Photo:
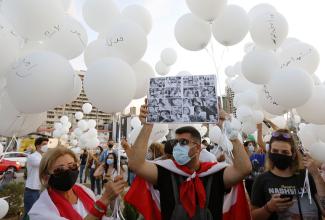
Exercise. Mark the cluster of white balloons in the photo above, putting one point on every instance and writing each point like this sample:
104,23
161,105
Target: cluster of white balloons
229,24
114,59
62,128
168,57
37,40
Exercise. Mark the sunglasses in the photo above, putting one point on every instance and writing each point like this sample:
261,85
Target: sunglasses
281,135
62,169
183,142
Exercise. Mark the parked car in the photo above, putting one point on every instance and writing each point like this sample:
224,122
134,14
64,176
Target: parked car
15,157
7,165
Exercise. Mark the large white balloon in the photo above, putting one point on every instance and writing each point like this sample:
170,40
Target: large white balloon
244,113
97,50
291,87
249,127
78,115
258,117
103,82
15,123
143,72
269,30
319,131
32,19
207,10
300,55
258,66
100,15
87,108
248,97
313,110
317,151
161,68
268,103
139,15
4,207
168,56
70,39
280,122
232,26
49,78
30,46
83,125
260,9
9,46
192,33
128,39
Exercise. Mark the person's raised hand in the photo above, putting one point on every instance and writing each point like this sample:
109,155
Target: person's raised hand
277,204
113,189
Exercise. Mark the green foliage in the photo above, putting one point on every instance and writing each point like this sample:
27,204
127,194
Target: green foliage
16,193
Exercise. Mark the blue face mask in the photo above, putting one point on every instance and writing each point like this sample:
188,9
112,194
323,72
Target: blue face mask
180,154
109,161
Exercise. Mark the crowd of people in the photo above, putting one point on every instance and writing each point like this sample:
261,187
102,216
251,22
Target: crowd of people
182,178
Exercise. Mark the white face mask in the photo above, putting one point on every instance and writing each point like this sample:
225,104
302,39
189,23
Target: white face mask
44,148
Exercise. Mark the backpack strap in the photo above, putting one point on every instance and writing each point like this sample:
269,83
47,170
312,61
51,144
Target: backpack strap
175,188
208,190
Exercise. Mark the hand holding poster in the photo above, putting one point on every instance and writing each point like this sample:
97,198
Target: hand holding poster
183,99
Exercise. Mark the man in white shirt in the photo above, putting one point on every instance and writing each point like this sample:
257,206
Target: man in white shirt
33,184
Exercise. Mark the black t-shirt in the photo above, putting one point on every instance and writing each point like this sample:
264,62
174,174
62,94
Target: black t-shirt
268,184
83,159
167,200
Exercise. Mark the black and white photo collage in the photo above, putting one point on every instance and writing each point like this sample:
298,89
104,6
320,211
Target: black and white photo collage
183,99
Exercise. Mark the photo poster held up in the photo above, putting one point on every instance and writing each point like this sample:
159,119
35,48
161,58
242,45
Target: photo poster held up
183,99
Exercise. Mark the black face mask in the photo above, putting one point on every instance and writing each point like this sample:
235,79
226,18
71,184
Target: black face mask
281,161
110,145
64,180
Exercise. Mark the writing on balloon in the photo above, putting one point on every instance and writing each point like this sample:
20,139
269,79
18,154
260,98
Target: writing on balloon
23,68
268,96
12,32
113,41
298,58
78,34
54,30
272,27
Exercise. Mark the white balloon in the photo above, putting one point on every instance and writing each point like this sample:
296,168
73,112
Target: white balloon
9,46
139,15
315,78
184,73
127,40
92,123
83,125
288,42
317,151
207,10
300,55
74,142
97,50
143,72
240,84
215,134
87,108
77,132
57,133
49,77
258,117
100,15
64,137
66,4
68,125
260,9
30,47
291,87
313,110
244,113
258,66
249,47
232,26
318,131
192,33
92,132
93,143
78,115
69,39
58,126
269,30
64,119
4,207
280,122
162,69
248,97
268,103
236,124
105,76
168,56
32,19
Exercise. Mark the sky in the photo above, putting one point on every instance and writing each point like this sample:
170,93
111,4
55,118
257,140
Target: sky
304,17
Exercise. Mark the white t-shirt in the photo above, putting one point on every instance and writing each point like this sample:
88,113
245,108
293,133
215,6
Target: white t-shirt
32,165
79,207
206,156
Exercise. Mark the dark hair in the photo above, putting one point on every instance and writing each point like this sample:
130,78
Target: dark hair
169,146
246,143
100,148
190,130
204,141
40,140
114,164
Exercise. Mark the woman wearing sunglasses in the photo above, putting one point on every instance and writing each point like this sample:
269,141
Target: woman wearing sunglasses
62,197
277,193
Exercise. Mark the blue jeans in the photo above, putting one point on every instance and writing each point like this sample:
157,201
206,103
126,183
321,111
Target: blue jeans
82,168
94,181
30,197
